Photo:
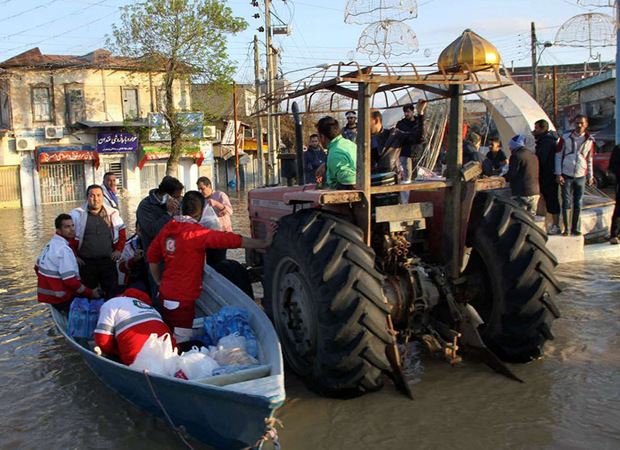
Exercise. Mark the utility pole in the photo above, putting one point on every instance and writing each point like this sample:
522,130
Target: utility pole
271,138
555,94
236,135
259,128
534,63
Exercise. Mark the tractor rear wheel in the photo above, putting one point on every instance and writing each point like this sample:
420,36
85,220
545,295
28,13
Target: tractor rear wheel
510,280
326,301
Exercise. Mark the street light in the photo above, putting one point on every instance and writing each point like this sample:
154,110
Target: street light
536,60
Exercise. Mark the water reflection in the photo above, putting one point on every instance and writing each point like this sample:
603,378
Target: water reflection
570,398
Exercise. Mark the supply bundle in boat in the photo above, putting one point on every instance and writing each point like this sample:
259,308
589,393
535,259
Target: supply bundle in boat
229,409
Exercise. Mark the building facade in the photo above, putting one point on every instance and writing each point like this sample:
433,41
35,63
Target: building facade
65,120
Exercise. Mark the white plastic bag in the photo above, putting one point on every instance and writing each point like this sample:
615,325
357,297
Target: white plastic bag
209,218
194,365
157,355
233,340
230,356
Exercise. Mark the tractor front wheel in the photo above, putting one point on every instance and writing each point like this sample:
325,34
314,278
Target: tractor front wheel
326,301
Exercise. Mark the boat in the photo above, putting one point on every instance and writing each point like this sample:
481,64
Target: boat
229,411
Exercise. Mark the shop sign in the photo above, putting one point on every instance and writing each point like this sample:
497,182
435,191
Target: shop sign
117,142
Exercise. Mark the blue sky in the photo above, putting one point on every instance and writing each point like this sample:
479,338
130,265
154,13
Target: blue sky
319,32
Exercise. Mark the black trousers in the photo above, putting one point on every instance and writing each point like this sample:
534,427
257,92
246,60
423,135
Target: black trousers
100,272
615,219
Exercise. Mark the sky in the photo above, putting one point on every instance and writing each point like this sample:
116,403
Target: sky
319,35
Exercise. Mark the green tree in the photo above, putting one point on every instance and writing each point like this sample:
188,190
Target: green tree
184,39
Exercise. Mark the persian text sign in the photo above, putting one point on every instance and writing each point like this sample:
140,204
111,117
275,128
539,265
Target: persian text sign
117,142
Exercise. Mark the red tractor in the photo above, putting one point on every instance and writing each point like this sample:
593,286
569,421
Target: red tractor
353,272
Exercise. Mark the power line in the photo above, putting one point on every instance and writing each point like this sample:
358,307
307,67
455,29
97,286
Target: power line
45,5
62,34
74,13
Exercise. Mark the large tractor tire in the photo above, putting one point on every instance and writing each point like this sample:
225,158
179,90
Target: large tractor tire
326,301
510,280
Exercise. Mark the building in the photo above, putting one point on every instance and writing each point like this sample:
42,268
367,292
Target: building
65,120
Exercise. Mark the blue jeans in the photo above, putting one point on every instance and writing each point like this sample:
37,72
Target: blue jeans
572,197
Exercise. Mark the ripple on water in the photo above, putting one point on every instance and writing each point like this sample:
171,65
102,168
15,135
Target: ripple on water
570,399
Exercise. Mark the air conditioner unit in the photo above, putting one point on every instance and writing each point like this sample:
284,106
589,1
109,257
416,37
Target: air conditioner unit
23,144
54,132
210,132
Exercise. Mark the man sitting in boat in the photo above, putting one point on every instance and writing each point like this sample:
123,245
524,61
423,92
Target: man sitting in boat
126,323
181,244
57,269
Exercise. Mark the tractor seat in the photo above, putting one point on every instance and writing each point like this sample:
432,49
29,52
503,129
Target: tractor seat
383,179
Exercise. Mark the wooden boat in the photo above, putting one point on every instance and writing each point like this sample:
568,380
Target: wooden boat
225,411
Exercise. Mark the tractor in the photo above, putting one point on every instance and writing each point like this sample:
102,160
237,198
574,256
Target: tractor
447,261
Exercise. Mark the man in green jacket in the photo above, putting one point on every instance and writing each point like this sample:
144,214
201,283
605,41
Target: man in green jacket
341,155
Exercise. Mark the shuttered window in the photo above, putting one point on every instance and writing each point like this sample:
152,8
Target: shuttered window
41,104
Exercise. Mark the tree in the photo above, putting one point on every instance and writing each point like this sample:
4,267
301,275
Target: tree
183,39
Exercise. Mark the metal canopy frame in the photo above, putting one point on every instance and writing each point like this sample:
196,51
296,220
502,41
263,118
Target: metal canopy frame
390,83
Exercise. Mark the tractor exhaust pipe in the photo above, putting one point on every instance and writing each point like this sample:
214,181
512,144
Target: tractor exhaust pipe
299,144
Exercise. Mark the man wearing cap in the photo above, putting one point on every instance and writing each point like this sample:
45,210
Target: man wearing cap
573,169
349,131
523,174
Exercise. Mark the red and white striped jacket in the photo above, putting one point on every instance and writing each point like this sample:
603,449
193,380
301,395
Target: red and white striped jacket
126,323
58,273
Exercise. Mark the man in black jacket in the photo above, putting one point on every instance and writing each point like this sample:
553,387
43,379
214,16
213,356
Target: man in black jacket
471,147
523,175
614,167
386,145
411,151
546,146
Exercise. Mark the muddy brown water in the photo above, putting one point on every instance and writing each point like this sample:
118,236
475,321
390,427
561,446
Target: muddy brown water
571,399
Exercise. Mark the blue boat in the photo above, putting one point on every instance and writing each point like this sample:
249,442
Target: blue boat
230,411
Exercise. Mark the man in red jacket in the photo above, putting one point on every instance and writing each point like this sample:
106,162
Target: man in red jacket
57,269
126,323
181,244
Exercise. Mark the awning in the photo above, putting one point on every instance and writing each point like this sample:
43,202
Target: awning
252,145
93,124
57,153
157,152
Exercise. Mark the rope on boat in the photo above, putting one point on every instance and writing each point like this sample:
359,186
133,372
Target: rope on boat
179,431
270,434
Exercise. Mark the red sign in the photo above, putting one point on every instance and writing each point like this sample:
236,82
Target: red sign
68,155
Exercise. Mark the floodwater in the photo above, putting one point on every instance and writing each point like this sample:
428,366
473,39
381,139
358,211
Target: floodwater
571,398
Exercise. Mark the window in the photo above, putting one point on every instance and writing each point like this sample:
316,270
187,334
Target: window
75,104
130,103
160,97
117,169
41,104
5,110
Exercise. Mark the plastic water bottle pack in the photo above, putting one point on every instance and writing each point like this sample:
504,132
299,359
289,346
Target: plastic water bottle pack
227,321
83,317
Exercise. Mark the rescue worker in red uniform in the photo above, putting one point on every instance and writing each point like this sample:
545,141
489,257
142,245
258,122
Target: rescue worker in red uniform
181,244
126,323
58,275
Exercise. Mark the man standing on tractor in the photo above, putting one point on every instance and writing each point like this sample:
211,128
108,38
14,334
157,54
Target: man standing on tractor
340,167
349,131
412,149
471,147
573,168
314,158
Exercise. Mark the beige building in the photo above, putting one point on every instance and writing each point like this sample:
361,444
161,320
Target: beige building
66,120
